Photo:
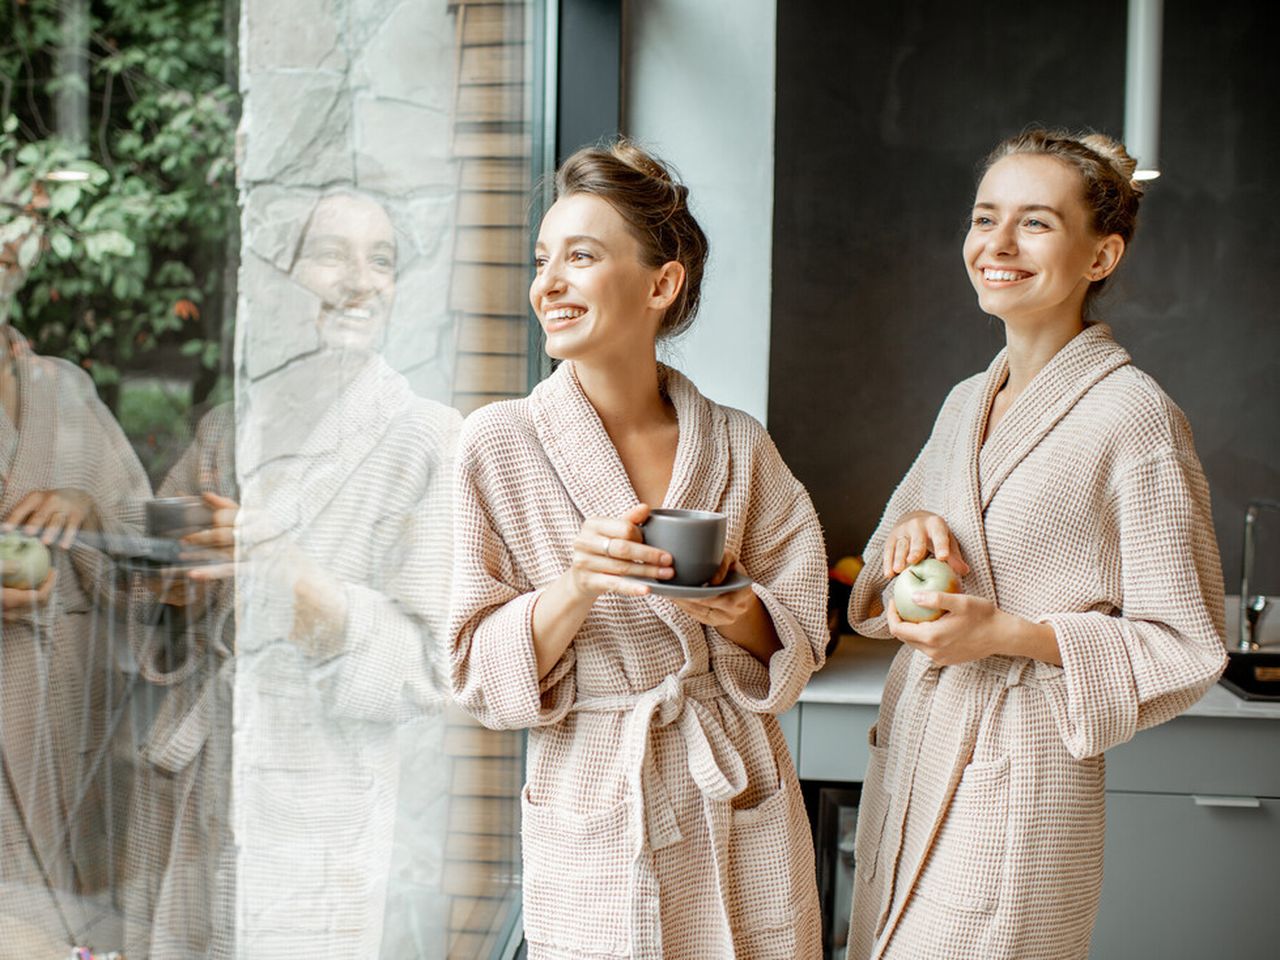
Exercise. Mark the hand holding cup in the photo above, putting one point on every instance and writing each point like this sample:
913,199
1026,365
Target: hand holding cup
609,551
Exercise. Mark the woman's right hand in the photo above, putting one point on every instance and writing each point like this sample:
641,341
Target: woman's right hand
18,603
916,536
609,549
217,542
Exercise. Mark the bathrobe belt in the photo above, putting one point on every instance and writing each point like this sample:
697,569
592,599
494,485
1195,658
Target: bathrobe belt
714,763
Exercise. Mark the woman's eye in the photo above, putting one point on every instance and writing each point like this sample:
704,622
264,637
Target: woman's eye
1037,224
539,262
580,255
982,221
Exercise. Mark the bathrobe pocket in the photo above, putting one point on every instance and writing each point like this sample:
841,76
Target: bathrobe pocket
577,873
768,872
873,810
966,863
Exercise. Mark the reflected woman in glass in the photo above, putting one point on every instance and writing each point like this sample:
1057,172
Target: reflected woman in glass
65,467
661,814
1062,486
337,507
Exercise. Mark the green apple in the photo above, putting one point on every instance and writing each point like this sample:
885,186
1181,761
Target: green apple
929,574
25,561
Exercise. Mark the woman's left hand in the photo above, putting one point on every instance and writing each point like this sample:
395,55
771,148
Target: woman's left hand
971,628
738,615
53,515
725,609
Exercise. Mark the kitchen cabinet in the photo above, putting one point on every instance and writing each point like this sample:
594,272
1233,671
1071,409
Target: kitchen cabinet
1193,843
1193,813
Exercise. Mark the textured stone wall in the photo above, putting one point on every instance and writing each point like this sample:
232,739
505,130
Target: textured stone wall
347,93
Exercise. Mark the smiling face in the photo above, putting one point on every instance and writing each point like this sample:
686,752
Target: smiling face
348,260
593,295
1030,252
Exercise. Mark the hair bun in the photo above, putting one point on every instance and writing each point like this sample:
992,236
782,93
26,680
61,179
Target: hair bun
640,160
1114,152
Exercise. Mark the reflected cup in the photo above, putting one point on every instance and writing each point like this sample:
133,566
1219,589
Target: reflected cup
694,538
174,517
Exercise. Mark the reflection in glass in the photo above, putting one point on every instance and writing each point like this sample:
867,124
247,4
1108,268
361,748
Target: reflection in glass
246,748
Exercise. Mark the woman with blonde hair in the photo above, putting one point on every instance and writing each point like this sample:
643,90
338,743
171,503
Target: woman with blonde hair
1063,486
661,815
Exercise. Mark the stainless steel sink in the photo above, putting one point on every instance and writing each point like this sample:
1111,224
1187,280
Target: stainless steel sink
1253,674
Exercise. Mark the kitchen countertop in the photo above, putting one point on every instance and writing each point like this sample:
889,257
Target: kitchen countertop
855,672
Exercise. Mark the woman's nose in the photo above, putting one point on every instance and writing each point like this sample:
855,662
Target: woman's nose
1004,239
359,277
546,281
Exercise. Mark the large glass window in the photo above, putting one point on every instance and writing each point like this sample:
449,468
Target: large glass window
257,260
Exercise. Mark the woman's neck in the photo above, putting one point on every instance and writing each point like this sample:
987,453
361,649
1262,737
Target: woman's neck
1033,345
627,395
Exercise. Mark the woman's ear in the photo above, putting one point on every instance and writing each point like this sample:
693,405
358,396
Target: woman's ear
668,281
1106,257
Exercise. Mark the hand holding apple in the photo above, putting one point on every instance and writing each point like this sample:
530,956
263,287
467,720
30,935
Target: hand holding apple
54,515
973,628
18,603
929,574
915,536
24,560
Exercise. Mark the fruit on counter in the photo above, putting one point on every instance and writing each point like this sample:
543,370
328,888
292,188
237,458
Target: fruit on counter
929,574
846,569
24,560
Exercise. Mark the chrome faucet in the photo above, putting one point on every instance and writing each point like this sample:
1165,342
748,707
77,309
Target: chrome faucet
1252,606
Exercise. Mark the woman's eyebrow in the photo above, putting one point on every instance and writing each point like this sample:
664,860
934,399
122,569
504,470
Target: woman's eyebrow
1025,208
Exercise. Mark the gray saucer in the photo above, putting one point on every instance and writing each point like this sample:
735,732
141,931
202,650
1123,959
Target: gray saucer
664,588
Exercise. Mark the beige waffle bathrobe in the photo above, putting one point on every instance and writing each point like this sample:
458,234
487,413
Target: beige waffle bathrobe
180,886
58,685
662,816
301,753
316,745
980,831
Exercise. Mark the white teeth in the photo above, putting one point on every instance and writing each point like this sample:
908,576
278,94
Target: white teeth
565,313
356,313
989,274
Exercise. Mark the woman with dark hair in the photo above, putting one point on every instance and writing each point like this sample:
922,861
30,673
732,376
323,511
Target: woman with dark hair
661,815
1063,486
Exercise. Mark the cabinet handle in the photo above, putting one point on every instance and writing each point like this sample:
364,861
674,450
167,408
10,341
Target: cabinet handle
1203,801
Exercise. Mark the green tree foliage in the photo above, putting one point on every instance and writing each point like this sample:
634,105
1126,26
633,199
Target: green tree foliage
132,256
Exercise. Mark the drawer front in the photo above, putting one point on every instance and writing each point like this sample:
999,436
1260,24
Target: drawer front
1186,878
1205,755
833,740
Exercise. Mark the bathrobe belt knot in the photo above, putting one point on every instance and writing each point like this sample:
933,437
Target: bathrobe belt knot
714,764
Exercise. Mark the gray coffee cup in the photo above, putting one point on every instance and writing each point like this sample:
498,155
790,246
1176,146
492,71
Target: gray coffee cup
175,517
694,538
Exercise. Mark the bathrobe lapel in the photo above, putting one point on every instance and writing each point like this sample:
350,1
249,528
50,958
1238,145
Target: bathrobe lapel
588,464
1068,376
344,437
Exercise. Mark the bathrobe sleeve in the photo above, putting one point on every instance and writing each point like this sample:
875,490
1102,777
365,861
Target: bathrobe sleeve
492,664
782,550
393,664
1161,647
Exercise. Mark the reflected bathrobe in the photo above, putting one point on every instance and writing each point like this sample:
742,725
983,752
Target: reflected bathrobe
58,684
316,749
980,830
179,899
308,747
661,813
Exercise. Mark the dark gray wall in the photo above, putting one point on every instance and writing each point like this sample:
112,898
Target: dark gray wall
884,111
